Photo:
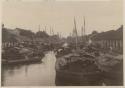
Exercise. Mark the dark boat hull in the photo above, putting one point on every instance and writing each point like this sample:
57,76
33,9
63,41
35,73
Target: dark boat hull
79,71
66,78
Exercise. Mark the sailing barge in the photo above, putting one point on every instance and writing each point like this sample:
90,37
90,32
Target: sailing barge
89,68
76,68
73,69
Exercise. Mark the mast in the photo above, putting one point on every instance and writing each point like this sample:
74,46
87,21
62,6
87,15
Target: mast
50,30
82,33
84,29
75,32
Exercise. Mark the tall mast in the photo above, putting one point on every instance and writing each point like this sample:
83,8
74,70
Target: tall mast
75,32
50,31
82,32
84,28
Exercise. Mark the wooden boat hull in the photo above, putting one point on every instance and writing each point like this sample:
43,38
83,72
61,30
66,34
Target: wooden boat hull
66,78
78,71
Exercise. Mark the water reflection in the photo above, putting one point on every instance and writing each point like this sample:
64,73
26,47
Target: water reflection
44,74
37,74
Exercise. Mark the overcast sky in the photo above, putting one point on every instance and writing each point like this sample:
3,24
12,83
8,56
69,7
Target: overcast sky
99,15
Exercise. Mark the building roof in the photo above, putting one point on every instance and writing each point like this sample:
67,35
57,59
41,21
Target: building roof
109,35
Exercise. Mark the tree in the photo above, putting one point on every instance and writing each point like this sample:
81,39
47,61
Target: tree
42,34
8,37
26,33
94,32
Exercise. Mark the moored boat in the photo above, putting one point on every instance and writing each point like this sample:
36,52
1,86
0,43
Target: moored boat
112,67
23,55
75,70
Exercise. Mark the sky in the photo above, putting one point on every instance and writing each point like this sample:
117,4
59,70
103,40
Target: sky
29,14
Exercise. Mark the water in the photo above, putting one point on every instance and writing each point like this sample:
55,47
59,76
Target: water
37,74
40,74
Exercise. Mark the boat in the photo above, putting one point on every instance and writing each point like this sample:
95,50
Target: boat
112,69
77,70
17,55
77,67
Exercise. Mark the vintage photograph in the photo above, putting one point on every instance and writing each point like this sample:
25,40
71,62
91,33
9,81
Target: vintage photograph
62,43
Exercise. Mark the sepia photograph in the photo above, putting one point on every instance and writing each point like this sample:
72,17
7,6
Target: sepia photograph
62,43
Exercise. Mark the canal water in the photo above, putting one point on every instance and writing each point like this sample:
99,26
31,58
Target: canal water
40,74
37,74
